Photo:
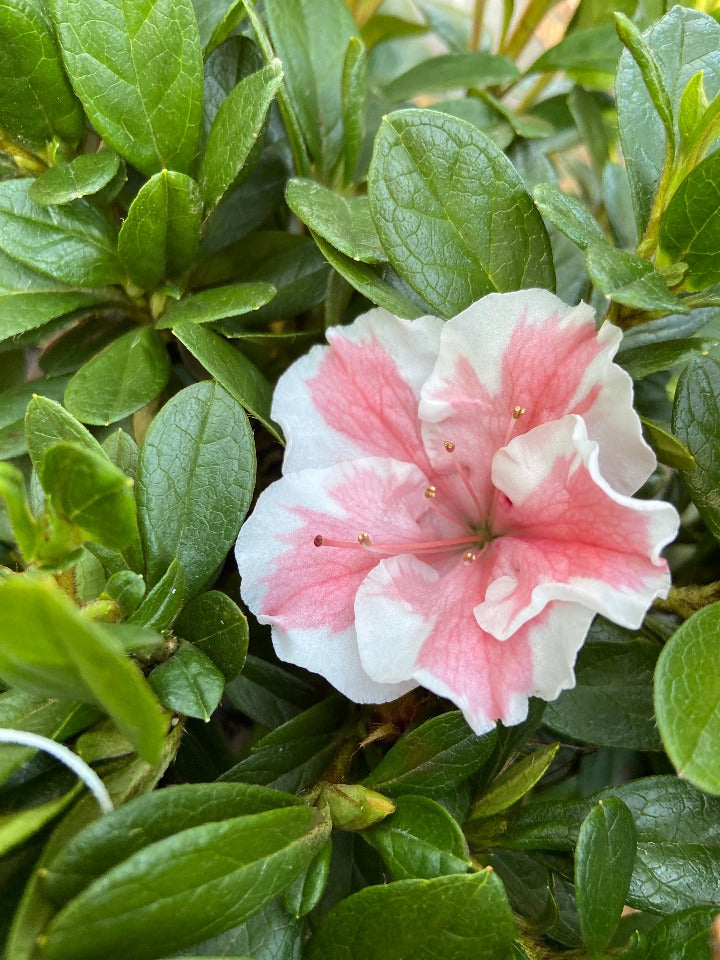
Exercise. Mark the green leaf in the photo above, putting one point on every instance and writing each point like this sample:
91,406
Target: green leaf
294,755
232,370
123,451
269,934
239,121
611,702
441,752
127,590
36,100
188,683
455,917
214,876
111,840
122,378
678,853
269,694
311,39
77,178
582,52
19,826
354,105
138,72
628,279
604,858
28,299
567,214
305,891
652,358
450,71
369,282
692,108
89,491
687,699
345,222
452,212
218,303
514,783
49,648
66,353
163,603
195,479
230,20
696,423
75,244
214,624
159,237
683,42
13,404
668,448
420,840
690,231
681,936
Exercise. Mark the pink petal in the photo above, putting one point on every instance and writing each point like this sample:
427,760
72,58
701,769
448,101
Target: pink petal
530,350
306,592
567,535
359,396
413,622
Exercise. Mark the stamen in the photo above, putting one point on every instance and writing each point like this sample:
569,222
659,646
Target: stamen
430,492
447,514
469,557
364,539
518,412
463,474
423,546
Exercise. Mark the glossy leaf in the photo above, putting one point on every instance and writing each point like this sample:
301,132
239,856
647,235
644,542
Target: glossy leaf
49,648
514,783
214,876
75,244
450,71
344,222
306,890
215,625
604,859
122,378
690,231
77,178
47,423
195,480
163,603
628,279
687,699
149,116
354,104
188,683
567,214
217,304
452,213
668,448
651,73
652,358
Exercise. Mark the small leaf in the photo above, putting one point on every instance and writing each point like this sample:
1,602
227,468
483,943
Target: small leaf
89,491
591,50
127,590
239,121
188,683
218,303
354,97
690,231
514,782
138,72
450,71
195,479
344,222
567,214
159,237
75,244
306,890
687,699
120,379
693,105
604,859
25,528
652,358
628,279
47,423
77,178
163,603
668,449
217,627
452,213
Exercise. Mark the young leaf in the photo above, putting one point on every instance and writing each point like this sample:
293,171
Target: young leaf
567,214
311,39
354,105
690,230
604,859
687,698
232,370
344,222
160,236
693,105
214,876
456,917
668,449
47,423
451,71
138,72
628,279
452,212
514,782
51,649
305,890
119,380
77,178
217,626
431,758
163,603
195,479
36,100
188,683
239,121
218,303
127,590
75,244
696,423
420,840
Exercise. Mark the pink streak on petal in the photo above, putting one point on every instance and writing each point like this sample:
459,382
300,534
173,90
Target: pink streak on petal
360,393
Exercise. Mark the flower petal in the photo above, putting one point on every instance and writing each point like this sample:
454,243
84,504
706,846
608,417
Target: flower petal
530,350
306,592
413,622
359,396
569,536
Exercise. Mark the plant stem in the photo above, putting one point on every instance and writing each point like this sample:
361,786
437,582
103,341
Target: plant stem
477,24
526,26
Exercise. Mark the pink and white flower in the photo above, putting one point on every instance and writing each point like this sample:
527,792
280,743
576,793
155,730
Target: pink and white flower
456,505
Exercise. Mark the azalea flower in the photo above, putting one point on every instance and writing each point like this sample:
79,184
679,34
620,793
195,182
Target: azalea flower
456,505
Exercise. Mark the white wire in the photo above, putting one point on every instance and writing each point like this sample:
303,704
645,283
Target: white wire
78,766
